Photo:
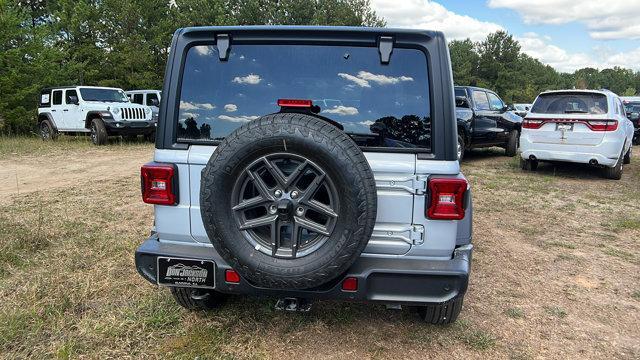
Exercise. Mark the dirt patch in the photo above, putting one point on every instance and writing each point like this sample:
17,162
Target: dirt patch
554,273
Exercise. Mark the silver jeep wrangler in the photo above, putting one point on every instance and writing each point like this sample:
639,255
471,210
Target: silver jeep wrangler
306,163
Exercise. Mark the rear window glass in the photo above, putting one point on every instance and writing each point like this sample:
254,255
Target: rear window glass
570,103
461,92
632,107
378,105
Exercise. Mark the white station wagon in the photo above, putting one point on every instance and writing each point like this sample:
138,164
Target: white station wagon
580,126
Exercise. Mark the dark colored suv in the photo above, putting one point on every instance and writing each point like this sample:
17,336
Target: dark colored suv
309,163
484,120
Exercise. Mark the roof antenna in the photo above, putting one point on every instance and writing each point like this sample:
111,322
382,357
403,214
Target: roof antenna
222,41
385,48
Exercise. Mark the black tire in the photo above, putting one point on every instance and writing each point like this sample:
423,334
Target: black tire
529,165
614,172
198,299
47,131
627,156
512,144
441,314
461,148
98,132
320,143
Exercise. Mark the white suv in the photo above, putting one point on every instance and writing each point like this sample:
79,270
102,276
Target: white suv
580,126
100,111
149,98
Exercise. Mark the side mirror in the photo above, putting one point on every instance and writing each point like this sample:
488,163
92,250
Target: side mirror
155,102
510,108
74,100
462,101
505,108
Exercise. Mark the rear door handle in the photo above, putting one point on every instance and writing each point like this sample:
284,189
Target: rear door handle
65,110
53,111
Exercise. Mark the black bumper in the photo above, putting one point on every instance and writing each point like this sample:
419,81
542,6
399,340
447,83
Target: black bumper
141,127
385,280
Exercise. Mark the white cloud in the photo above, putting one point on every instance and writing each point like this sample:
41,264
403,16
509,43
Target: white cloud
382,79
203,50
189,106
251,79
605,20
342,110
539,47
231,108
430,15
355,79
241,118
367,122
363,78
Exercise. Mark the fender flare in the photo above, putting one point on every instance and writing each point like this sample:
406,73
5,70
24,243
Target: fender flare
96,114
47,116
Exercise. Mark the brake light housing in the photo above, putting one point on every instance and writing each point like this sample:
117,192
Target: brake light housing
295,103
159,183
592,124
532,123
446,200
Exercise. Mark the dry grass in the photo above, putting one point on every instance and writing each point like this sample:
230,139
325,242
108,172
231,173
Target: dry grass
554,274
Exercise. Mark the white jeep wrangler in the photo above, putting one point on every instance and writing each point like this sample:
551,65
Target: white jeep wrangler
100,111
149,98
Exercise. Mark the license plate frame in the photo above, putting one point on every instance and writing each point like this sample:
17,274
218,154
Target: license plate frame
564,127
183,272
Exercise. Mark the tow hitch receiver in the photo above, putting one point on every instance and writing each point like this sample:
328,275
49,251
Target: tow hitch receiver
293,304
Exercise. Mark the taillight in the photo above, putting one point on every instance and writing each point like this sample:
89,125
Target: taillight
446,198
159,183
602,125
350,284
296,103
532,123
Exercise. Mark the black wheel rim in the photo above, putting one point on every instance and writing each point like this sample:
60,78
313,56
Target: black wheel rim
44,131
285,205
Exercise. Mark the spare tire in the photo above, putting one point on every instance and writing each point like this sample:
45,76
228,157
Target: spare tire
289,201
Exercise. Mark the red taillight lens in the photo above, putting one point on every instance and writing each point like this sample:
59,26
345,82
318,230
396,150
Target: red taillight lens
602,125
532,123
159,184
350,284
297,103
231,276
446,198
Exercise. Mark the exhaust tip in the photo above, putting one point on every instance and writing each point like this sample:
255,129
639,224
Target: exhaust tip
593,162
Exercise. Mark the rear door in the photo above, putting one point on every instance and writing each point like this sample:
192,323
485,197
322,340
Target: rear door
485,127
57,109
397,184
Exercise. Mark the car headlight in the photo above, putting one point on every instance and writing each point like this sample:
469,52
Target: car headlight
115,110
147,110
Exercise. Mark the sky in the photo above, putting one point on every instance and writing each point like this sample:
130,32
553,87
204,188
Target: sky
566,34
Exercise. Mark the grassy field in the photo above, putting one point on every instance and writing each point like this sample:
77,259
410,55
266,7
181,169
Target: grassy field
555,272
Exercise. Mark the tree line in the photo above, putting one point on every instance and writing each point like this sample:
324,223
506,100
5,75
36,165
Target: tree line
125,43
498,63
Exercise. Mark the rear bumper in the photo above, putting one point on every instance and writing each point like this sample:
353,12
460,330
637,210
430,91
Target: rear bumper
130,127
606,153
385,280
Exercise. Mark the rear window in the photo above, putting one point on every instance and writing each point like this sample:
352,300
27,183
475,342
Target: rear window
632,107
460,92
378,105
570,103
